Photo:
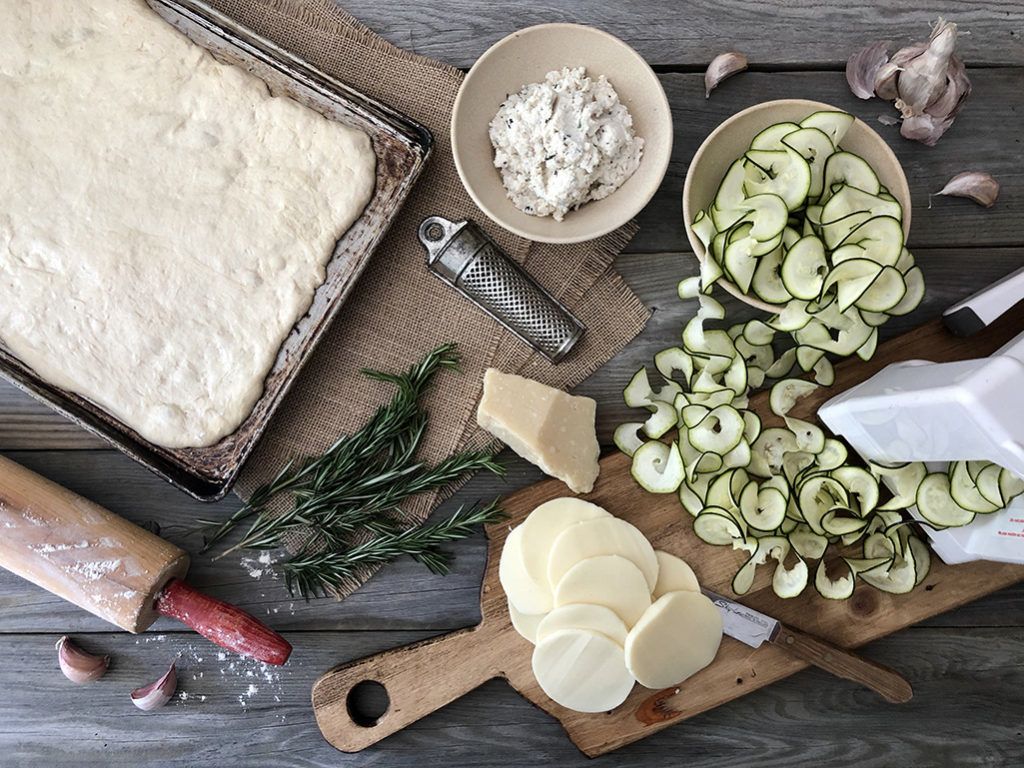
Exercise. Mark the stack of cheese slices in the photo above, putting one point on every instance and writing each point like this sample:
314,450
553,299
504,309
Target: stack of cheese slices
602,607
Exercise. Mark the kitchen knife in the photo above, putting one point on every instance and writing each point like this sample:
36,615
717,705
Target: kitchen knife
755,628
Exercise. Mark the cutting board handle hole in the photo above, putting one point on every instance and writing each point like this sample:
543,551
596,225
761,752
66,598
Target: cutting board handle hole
367,703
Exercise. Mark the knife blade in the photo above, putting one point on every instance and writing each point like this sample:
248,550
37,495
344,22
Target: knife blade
755,628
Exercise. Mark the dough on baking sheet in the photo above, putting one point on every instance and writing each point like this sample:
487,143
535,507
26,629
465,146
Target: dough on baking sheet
164,221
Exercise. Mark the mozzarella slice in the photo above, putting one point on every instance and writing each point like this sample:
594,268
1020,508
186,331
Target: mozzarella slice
526,594
582,670
526,624
608,580
673,575
676,637
602,536
543,526
595,618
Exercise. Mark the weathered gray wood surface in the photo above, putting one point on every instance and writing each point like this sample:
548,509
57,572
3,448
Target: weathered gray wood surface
967,666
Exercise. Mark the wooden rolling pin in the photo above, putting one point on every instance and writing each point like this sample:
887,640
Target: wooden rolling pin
113,568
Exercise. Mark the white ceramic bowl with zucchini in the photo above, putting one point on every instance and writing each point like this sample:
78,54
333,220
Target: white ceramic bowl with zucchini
782,193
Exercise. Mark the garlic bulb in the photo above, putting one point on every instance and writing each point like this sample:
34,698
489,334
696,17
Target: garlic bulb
77,665
156,694
975,185
927,81
723,66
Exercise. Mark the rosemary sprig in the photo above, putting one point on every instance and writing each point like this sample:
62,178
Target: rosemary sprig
354,491
326,570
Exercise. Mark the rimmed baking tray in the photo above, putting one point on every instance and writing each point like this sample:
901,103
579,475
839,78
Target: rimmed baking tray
401,146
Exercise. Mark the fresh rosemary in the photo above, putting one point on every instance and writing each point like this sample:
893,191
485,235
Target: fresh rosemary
345,513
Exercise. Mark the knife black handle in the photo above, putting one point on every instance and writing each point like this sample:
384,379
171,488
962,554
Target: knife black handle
888,683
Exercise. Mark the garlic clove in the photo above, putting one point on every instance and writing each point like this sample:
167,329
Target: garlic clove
158,693
77,665
886,79
927,129
975,185
862,67
958,88
723,66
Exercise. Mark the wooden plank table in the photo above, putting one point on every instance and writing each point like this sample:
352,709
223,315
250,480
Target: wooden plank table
966,666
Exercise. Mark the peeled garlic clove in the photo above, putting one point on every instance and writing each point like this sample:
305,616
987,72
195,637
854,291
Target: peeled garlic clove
156,694
862,67
77,665
723,66
975,185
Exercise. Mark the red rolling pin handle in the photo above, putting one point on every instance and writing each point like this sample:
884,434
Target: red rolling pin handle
223,623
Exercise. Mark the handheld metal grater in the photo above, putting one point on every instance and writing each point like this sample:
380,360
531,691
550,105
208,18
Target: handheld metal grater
461,254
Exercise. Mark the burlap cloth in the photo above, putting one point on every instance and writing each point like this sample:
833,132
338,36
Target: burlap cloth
397,311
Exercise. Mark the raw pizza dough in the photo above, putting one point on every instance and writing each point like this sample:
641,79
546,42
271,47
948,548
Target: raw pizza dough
164,220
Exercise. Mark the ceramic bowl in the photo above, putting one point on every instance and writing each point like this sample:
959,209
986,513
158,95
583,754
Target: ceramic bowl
526,57
730,139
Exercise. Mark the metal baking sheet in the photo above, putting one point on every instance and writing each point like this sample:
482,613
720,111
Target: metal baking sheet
401,146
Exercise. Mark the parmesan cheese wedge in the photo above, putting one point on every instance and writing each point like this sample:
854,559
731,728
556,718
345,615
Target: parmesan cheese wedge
596,618
608,580
582,670
545,426
602,536
676,637
674,575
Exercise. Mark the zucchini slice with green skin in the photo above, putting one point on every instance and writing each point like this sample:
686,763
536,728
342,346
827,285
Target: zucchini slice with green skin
787,393
791,317
661,420
880,237
804,268
814,146
833,455
898,579
730,192
851,279
887,290
1010,485
833,589
824,372
862,485
914,280
849,199
689,288
626,438
790,582
763,507
658,467
784,173
715,526
638,392
936,504
772,136
704,228
833,124
669,361
851,170
965,492
719,432
808,544
783,365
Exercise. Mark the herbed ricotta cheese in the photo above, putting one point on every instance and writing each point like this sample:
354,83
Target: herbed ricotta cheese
164,220
564,142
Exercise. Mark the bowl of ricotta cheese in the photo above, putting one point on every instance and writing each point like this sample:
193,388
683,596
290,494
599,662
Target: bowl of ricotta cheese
561,133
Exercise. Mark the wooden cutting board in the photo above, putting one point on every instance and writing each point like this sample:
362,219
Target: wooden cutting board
423,677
